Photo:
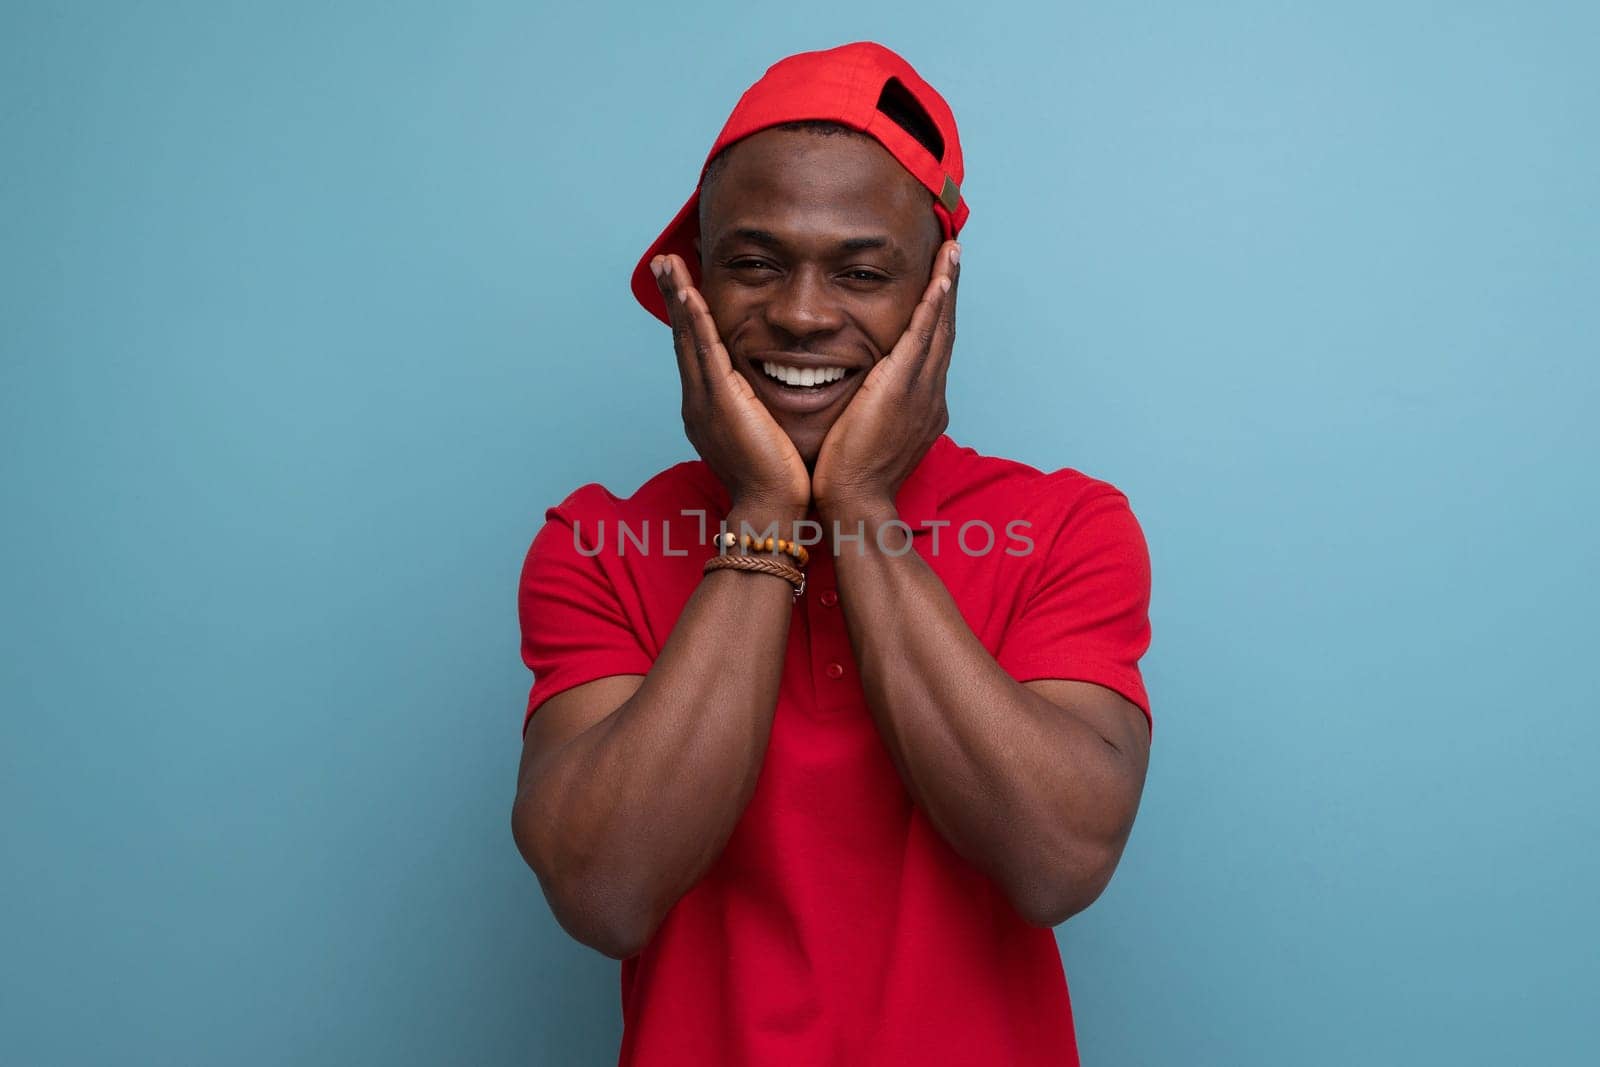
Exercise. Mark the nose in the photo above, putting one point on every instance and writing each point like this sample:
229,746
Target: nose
801,304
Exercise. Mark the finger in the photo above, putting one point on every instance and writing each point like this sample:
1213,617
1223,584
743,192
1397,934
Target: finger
713,354
688,361
912,347
953,272
944,278
936,297
937,363
699,330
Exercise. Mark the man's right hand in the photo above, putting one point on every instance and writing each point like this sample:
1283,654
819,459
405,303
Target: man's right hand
722,416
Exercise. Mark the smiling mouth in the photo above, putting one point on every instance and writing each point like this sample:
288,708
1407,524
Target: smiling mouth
803,377
801,390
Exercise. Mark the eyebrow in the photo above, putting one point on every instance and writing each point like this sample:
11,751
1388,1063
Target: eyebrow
771,240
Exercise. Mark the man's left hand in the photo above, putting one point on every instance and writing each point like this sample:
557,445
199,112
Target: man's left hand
898,412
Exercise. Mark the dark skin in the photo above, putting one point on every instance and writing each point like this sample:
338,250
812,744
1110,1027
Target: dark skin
819,247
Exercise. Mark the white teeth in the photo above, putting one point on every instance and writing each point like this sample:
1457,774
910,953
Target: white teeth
804,377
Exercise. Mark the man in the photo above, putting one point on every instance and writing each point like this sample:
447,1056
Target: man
826,806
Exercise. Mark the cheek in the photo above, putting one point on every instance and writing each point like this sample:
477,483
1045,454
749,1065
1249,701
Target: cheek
730,310
717,299
887,322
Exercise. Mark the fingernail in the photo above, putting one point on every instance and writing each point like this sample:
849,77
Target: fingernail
683,296
944,284
955,255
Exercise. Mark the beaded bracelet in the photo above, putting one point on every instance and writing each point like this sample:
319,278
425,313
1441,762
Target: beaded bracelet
783,570
728,539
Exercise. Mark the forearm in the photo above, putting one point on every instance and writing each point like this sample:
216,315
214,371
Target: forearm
1022,789
632,812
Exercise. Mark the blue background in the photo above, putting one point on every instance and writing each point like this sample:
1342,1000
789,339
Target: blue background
308,313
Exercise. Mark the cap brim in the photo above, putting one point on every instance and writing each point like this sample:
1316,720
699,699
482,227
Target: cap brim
678,237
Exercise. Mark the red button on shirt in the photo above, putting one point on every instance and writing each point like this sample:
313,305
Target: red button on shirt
838,926
829,598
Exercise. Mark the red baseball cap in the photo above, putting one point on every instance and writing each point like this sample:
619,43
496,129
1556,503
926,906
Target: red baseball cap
864,86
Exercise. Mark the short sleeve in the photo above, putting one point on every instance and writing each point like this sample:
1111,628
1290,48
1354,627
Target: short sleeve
1088,616
574,627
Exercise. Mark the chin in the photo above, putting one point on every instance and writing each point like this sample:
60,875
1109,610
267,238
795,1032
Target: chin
808,444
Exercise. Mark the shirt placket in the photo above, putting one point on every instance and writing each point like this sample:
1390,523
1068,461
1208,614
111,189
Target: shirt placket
833,668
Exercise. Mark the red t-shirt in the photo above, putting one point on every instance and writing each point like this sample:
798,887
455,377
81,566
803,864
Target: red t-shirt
838,927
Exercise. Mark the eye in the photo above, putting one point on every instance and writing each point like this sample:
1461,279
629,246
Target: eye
749,263
865,275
